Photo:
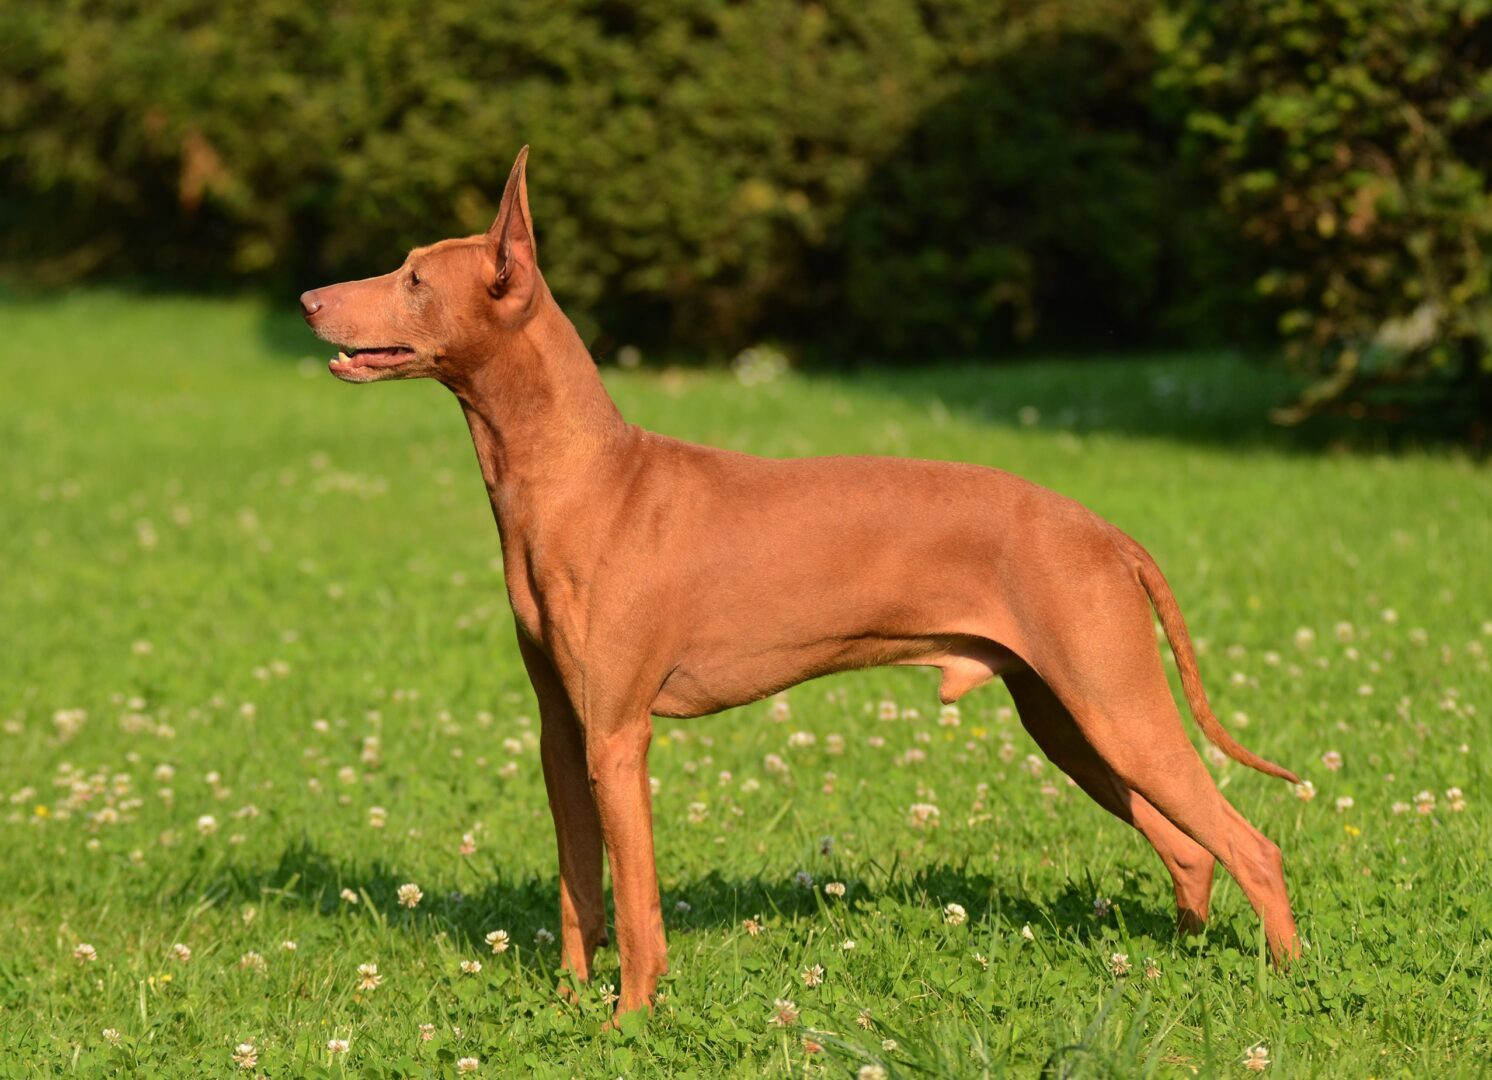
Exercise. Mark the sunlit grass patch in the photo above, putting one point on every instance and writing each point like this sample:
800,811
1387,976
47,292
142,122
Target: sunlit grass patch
273,801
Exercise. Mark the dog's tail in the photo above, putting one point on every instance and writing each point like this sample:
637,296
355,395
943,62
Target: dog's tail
1164,602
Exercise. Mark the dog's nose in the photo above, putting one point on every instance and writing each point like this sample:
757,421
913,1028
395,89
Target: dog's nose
310,304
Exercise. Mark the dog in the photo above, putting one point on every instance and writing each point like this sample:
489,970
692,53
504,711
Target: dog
654,577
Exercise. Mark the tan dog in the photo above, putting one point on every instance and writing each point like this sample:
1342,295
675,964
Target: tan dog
650,576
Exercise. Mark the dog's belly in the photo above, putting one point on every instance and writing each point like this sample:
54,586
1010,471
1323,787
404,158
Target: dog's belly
700,686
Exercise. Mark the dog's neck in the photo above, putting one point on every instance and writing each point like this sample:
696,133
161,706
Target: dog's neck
540,418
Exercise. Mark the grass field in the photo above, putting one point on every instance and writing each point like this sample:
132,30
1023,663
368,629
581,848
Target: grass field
258,673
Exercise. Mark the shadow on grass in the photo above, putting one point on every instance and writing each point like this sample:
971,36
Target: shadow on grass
483,899
1212,398
1219,399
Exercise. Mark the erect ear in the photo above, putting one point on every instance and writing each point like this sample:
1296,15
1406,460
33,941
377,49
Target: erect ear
512,233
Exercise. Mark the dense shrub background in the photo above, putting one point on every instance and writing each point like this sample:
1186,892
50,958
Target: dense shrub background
694,162
896,177
1350,140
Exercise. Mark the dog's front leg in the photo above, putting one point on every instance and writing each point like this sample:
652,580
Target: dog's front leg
616,745
577,828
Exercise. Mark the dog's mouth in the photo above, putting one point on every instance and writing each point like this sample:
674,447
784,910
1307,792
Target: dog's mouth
362,364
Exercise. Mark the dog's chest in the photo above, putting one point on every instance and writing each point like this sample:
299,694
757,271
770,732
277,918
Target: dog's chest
548,601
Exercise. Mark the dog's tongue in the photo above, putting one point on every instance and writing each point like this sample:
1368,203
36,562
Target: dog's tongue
385,357
379,355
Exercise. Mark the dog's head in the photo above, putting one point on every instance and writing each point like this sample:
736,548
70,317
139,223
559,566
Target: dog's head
444,310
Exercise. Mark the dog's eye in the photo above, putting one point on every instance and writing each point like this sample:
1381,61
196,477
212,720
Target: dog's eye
414,277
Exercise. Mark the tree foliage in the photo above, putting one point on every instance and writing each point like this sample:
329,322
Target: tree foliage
1350,142
895,177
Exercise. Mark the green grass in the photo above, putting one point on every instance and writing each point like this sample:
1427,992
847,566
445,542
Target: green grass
218,560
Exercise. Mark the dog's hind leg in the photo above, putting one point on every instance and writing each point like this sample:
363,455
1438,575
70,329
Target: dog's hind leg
577,826
1050,724
1110,677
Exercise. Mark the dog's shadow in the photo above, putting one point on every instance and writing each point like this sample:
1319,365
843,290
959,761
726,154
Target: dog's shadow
313,882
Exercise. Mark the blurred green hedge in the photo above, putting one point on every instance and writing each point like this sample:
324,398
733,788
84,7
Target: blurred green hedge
897,177
1350,141
701,170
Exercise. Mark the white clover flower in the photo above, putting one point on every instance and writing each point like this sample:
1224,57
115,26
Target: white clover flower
1256,1058
784,1013
543,937
245,1056
207,824
759,364
834,888
85,953
336,1046
471,967
1119,964
498,939
410,894
954,914
467,1065
923,815
368,977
